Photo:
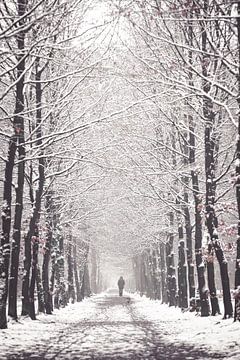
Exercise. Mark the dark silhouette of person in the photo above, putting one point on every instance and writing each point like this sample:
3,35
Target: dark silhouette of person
121,284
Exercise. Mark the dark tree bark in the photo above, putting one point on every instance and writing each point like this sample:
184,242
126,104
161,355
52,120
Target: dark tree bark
182,277
54,287
237,267
171,274
60,291
75,269
16,238
163,273
137,272
94,270
56,301
35,245
85,283
52,279
87,290
71,290
156,273
211,281
143,278
40,293
16,140
188,229
148,267
47,252
182,269
99,275
26,275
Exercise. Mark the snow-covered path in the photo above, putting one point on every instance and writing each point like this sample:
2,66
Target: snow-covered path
103,327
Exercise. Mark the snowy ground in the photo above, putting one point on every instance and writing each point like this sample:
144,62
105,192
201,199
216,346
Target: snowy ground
109,327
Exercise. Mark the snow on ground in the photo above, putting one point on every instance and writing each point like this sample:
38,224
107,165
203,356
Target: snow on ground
210,333
108,327
26,333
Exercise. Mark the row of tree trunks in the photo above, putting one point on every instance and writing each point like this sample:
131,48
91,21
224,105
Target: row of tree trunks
151,274
25,32
210,146
16,141
32,238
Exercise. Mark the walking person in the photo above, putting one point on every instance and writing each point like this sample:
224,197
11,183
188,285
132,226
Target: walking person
121,284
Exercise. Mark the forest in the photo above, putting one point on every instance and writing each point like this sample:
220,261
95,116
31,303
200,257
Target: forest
120,153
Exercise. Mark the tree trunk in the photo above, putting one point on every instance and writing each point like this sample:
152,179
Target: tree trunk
16,140
171,274
136,273
6,226
52,279
55,253
15,251
60,292
94,270
56,301
237,271
163,274
75,269
87,290
150,275
156,273
71,290
47,252
211,282
182,270
211,219
40,293
35,245
188,229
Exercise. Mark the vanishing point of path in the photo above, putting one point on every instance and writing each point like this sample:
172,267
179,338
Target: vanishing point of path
114,331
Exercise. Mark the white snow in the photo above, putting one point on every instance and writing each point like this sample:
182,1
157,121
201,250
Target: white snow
93,327
211,333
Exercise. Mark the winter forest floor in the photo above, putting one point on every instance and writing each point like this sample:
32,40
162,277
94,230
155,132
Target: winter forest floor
107,326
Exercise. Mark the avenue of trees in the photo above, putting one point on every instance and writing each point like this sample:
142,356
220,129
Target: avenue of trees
120,137
200,76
